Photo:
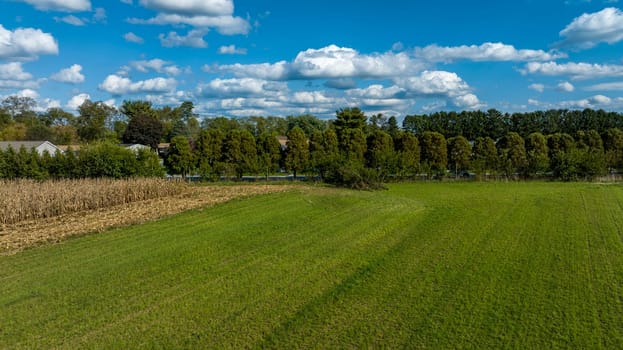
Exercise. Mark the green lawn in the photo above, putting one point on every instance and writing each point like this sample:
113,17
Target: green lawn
425,265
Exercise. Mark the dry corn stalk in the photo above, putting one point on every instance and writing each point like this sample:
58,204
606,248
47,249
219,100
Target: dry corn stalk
22,200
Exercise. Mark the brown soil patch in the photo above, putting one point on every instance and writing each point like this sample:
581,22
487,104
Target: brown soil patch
16,237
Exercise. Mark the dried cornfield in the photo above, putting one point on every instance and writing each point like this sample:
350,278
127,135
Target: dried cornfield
27,200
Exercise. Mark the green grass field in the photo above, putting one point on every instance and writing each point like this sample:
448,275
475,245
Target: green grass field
425,265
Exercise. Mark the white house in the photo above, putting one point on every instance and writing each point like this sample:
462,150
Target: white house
135,147
39,146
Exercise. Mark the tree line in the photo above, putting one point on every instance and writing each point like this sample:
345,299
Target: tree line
352,149
102,159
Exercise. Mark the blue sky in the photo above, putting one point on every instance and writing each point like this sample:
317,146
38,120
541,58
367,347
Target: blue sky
258,57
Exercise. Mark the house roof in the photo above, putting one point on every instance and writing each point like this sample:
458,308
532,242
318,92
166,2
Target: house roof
16,145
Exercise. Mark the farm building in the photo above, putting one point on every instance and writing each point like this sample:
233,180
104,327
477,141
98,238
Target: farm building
134,147
39,146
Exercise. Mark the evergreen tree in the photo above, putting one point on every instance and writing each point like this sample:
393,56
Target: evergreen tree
459,152
209,152
512,153
380,154
484,155
434,152
297,151
407,148
536,154
268,153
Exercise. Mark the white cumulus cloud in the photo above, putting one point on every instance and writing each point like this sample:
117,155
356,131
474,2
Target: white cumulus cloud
28,93
117,85
342,62
574,70
77,101
330,62
268,71
442,84
590,29
71,19
485,52
133,38
60,5
191,7
232,50
70,75
240,87
197,13
612,86
593,102
156,65
194,38
565,86
13,71
537,87
26,43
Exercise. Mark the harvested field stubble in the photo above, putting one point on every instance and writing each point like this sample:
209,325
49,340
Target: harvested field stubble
177,198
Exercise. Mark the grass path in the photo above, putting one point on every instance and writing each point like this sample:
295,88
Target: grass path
519,265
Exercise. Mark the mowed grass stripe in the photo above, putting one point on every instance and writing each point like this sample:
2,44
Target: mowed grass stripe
309,229
354,307
433,265
271,301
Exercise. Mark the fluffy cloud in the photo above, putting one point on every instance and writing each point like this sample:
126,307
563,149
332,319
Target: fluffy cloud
574,70
377,91
133,38
537,87
593,102
341,68
565,86
191,7
77,101
377,95
441,84
590,29
26,43
197,13
268,71
13,76
434,83
71,19
232,50
340,62
312,98
117,85
28,93
240,87
13,71
330,62
484,52
194,38
60,5
70,75
614,86
157,65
